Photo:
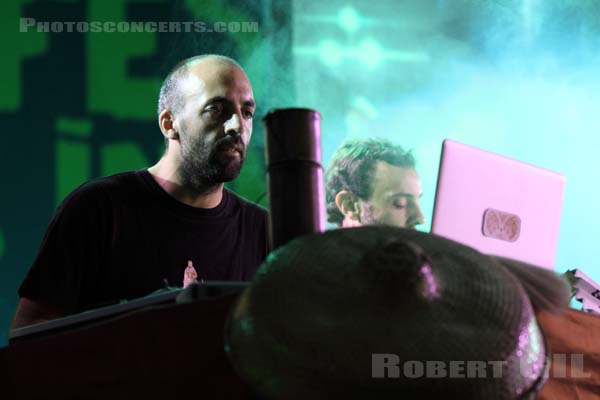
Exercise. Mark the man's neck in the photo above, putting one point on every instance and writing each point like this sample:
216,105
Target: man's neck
166,175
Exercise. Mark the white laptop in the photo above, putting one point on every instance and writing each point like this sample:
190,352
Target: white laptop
498,205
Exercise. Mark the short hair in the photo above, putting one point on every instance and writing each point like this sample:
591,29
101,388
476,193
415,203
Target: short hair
170,96
352,167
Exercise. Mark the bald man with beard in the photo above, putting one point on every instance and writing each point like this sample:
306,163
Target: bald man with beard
126,235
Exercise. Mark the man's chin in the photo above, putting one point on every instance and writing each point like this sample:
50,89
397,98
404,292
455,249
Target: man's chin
229,177
231,171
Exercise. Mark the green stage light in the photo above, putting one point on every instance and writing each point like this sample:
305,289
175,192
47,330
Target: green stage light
330,53
370,53
349,19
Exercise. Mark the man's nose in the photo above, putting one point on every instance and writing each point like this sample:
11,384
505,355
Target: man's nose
418,217
234,124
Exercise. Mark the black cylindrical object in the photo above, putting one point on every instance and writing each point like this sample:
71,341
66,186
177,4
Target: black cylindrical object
294,174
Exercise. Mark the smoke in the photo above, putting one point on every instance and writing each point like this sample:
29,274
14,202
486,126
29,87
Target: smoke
520,78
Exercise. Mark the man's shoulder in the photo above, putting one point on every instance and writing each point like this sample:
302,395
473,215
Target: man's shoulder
116,181
104,188
247,205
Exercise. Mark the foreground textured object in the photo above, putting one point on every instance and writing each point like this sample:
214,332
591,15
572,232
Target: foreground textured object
323,305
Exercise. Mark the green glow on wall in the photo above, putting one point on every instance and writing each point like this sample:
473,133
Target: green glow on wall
251,182
74,126
254,50
16,47
72,166
110,89
119,157
218,10
73,155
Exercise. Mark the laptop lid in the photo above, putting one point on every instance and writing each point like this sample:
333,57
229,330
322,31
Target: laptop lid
498,205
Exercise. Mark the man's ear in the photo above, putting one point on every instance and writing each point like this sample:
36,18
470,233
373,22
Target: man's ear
166,121
348,205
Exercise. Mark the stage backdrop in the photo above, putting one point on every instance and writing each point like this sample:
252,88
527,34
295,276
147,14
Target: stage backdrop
78,104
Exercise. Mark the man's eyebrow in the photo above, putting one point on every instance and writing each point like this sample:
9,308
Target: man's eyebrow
216,99
402,194
221,99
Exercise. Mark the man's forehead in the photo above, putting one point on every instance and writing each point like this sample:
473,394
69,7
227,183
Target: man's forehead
383,168
209,79
394,180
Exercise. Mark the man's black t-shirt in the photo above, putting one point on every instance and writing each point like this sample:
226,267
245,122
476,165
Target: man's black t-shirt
123,237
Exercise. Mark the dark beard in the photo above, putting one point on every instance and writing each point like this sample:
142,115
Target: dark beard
203,166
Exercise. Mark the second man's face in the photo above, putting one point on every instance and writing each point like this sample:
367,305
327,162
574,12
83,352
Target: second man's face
395,197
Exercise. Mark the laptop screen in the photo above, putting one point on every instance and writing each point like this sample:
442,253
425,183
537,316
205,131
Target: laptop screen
498,205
